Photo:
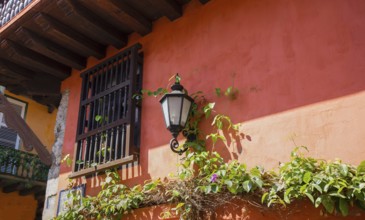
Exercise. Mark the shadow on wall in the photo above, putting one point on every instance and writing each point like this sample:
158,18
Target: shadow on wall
130,174
149,213
280,55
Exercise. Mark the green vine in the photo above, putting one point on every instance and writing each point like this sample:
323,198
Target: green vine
27,164
334,185
205,181
212,182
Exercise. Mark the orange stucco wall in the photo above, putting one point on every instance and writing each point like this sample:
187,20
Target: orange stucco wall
39,120
15,207
12,205
299,67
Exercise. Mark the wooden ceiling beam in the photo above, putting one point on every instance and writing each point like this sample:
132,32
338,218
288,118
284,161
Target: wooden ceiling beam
44,95
43,86
8,81
50,49
15,71
183,2
121,15
40,86
130,17
171,9
91,24
28,58
48,100
3,182
12,187
23,81
68,37
40,195
204,1
31,190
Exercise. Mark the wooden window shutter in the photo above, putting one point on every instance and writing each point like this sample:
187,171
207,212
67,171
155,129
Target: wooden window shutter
108,112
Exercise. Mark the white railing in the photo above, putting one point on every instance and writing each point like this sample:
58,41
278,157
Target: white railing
10,8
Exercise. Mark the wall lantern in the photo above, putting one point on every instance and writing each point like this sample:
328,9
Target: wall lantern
176,107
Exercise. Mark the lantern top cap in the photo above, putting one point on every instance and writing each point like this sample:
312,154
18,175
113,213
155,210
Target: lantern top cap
177,86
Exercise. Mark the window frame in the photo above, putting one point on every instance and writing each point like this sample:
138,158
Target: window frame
24,107
17,144
130,122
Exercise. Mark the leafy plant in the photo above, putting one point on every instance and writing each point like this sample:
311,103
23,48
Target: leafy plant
230,92
335,185
26,165
205,181
67,160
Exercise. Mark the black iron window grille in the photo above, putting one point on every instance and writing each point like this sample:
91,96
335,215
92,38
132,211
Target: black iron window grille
109,118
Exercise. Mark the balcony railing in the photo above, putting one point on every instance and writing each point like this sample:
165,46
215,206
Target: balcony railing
22,164
10,8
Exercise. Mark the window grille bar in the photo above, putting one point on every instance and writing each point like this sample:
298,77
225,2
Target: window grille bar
133,68
122,140
106,115
102,129
116,143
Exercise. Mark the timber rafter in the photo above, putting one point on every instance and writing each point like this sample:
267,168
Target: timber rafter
49,38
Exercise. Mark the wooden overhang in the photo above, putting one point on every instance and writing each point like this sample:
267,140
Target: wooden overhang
40,46
30,140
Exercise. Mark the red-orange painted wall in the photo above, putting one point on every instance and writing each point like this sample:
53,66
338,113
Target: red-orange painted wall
242,210
299,67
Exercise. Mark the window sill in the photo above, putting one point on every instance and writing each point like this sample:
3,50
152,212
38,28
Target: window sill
102,167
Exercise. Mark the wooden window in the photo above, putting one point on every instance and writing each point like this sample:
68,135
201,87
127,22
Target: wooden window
9,137
109,118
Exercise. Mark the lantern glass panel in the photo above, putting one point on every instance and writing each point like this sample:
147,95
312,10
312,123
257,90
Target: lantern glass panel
174,104
165,110
185,112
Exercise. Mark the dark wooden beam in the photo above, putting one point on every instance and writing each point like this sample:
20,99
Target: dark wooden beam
43,86
30,140
12,187
90,24
12,70
183,2
169,8
68,37
204,1
8,81
120,14
31,88
3,182
48,100
40,195
32,60
49,49
31,190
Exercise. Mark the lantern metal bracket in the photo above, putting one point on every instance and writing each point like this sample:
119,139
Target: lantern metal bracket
174,144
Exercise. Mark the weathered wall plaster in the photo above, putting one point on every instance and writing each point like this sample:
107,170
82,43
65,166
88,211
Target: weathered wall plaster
50,204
